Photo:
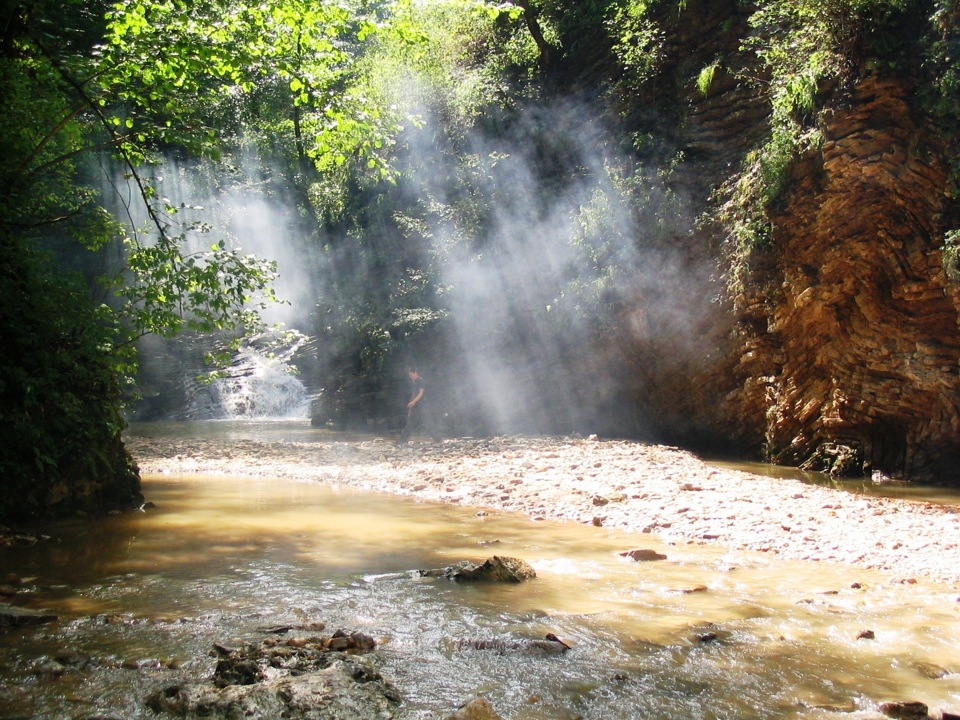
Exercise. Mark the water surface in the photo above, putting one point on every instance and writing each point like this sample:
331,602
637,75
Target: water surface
706,633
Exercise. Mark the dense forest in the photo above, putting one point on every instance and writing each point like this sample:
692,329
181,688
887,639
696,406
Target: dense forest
726,224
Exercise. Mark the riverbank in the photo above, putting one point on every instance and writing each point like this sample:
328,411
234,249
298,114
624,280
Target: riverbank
631,486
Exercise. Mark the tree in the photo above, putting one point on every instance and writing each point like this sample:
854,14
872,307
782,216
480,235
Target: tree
83,83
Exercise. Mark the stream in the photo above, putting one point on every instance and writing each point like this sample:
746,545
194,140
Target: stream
141,598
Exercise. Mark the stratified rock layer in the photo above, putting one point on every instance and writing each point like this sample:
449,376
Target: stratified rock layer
845,335
853,333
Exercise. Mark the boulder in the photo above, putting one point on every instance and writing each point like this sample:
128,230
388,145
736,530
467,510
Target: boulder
476,709
495,569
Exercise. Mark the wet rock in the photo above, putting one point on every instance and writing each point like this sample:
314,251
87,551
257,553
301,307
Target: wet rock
74,658
708,632
476,709
643,555
298,679
283,629
905,710
495,569
835,459
929,670
12,538
550,644
49,668
13,616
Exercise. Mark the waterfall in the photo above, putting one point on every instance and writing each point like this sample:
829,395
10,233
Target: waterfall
255,386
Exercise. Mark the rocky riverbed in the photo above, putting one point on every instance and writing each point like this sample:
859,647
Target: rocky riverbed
631,486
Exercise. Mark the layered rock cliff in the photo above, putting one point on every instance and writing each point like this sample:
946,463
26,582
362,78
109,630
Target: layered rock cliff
853,325
846,331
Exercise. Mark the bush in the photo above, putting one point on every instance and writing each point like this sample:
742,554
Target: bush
59,398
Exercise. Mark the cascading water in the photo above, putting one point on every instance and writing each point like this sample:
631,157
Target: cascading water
234,210
255,387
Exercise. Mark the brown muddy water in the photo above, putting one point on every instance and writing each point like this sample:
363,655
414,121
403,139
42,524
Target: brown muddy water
706,633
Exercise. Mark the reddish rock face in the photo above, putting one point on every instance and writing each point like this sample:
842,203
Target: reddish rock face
846,334
854,328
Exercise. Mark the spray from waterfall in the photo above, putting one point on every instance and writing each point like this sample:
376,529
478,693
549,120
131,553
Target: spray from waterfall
237,206
255,386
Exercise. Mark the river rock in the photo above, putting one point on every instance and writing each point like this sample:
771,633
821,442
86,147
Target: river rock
930,670
495,569
299,679
643,555
13,616
905,710
476,709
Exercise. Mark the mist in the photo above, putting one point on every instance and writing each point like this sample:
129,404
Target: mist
524,269
240,206
547,292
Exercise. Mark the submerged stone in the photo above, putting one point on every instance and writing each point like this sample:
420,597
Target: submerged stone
13,616
476,709
550,644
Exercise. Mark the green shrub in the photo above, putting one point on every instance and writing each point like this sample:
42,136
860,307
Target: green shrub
60,403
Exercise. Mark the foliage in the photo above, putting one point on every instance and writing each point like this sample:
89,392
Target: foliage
951,255
638,38
705,78
802,46
942,64
58,394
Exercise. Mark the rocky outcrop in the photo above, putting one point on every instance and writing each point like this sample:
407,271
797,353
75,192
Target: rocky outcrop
850,334
845,337
320,678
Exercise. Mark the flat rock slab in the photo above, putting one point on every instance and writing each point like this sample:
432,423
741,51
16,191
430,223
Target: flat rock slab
13,616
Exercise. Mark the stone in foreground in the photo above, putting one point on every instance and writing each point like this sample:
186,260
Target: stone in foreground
476,709
495,569
301,679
